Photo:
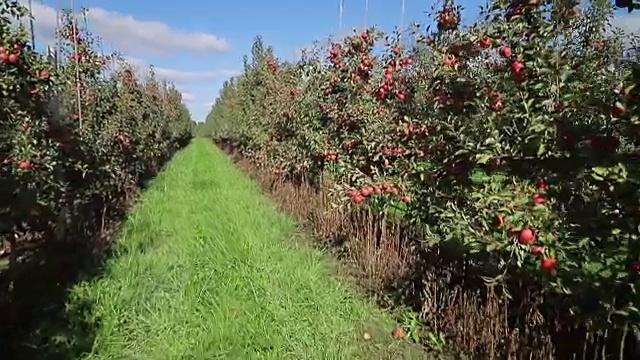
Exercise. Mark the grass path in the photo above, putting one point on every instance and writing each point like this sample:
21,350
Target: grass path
206,269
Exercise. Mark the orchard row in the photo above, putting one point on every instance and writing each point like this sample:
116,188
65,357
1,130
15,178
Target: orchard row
77,138
515,137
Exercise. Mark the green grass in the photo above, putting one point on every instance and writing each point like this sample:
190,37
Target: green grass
206,268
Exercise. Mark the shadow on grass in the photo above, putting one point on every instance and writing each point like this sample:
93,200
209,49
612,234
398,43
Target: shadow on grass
38,318
38,324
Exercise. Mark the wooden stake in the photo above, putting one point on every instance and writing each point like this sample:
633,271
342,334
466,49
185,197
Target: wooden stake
33,33
341,11
402,10
84,16
366,12
77,59
57,47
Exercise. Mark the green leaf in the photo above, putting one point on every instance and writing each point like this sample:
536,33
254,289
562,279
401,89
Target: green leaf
602,171
483,158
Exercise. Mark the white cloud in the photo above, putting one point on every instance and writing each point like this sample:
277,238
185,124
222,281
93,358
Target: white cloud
186,76
628,22
45,22
187,96
179,76
142,71
127,34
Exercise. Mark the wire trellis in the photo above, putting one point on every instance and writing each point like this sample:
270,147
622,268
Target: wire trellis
367,5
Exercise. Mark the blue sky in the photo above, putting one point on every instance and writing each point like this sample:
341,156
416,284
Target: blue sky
200,44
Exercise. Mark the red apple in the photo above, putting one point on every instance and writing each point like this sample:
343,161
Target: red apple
24,165
505,51
366,191
537,249
548,264
13,58
526,236
450,60
496,106
538,199
517,66
357,199
485,42
397,333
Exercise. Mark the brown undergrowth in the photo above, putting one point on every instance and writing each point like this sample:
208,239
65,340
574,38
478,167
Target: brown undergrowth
439,282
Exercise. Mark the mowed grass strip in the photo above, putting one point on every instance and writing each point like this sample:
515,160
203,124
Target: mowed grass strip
206,269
